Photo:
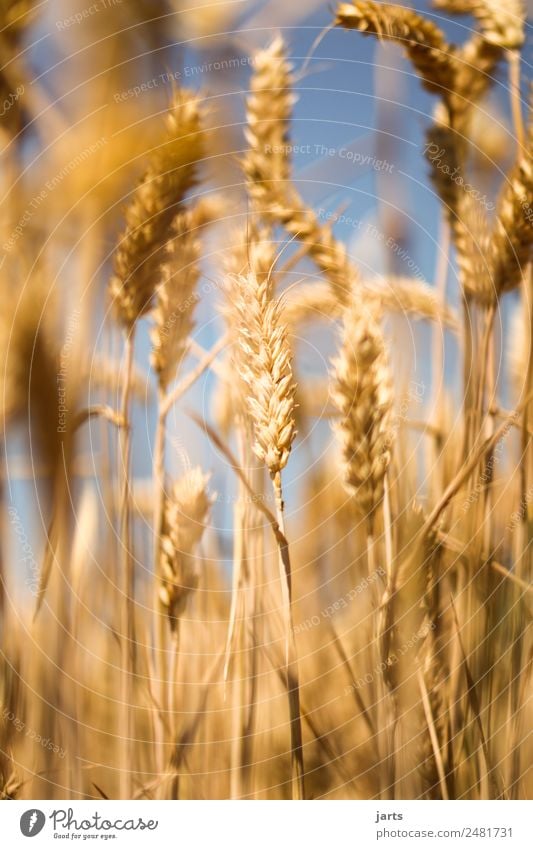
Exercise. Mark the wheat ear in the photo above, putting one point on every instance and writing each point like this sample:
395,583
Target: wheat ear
264,363
513,238
171,172
361,391
424,42
187,508
263,360
501,24
176,295
267,168
16,17
186,512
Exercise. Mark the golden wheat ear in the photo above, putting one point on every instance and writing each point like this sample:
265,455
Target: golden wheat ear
361,391
176,296
267,166
263,360
513,237
502,24
424,42
186,513
171,173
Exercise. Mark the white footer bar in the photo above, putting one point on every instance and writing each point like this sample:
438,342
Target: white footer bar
268,825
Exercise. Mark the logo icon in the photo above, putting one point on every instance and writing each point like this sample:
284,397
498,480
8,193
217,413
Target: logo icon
32,822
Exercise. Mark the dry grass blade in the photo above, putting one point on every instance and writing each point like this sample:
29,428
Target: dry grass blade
477,453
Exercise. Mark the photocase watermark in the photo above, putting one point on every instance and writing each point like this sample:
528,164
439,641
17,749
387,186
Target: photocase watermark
21,726
375,233
65,819
528,211
64,357
339,218
396,248
255,498
435,155
415,394
518,516
70,826
32,822
186,306
88,12
391,660
49,187
340,603
487,474
29,559
11,99
189,71
322,151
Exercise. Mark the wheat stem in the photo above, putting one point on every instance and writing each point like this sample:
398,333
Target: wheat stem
128,583
158,518
291,661
433,735
190,379
514,91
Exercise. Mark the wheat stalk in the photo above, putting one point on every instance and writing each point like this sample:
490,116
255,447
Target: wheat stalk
171,172
263,361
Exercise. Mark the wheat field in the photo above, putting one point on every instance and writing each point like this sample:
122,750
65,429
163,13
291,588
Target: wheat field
267,460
